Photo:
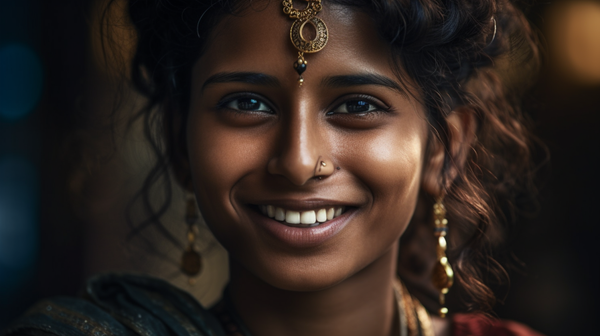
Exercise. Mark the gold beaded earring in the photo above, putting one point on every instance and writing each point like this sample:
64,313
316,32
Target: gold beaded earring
443,275
191,260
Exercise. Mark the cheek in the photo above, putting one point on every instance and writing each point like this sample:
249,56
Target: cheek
219,157
389,164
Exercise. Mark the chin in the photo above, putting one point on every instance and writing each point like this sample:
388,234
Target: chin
317,272
310,280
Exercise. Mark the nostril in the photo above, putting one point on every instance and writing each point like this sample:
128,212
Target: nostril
296,171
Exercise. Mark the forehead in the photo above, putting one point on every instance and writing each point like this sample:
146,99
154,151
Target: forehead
258,40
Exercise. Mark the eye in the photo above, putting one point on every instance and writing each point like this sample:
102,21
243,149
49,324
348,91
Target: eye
355,106
249,104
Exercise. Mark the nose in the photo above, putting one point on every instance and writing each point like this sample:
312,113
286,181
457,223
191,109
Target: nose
300,149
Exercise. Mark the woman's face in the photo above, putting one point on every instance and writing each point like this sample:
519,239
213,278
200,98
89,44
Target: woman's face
255,139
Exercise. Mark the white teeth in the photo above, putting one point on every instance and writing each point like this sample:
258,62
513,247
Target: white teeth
330,213
279,214
322,216
270,211
308,217
304,217
338,212
292,217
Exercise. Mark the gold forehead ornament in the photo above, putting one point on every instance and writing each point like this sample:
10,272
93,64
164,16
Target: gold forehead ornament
302,17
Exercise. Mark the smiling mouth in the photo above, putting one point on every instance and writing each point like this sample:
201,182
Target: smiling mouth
307,218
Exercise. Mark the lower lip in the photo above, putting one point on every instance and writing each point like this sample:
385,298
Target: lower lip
302,237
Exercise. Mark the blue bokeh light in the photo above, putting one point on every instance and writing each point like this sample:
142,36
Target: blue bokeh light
21,79
19,236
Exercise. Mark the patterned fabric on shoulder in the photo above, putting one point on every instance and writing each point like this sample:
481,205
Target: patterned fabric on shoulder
120,305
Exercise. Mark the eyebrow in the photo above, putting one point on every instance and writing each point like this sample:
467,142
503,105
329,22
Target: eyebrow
361,79
254,78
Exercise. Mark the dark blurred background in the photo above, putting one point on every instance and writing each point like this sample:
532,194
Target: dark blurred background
65,179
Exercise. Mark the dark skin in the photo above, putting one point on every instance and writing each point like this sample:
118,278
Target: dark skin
255,139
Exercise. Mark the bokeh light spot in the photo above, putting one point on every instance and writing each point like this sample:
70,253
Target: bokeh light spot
574,37
21,79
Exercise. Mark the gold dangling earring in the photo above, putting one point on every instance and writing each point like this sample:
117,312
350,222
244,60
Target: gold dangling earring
443,276
191,260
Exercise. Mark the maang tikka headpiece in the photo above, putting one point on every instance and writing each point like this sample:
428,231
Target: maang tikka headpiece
302,17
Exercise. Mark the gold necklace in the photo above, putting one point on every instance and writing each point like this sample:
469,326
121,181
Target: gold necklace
414,319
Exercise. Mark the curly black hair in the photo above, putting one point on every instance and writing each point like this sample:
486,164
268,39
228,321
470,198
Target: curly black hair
447,48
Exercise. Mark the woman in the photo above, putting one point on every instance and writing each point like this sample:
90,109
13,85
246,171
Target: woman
311,135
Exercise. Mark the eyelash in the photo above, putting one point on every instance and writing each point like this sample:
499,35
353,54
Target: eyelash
379,106
222,104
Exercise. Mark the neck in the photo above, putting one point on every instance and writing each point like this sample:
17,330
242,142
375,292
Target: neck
362,304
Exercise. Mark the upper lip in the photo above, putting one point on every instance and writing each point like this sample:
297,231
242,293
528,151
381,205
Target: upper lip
305,204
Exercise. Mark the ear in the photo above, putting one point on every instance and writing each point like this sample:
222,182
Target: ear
461,135
175,137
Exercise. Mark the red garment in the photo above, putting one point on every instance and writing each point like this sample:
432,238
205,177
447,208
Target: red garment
480,325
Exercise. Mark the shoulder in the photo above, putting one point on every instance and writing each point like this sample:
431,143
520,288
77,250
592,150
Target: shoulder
477,324
119,304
